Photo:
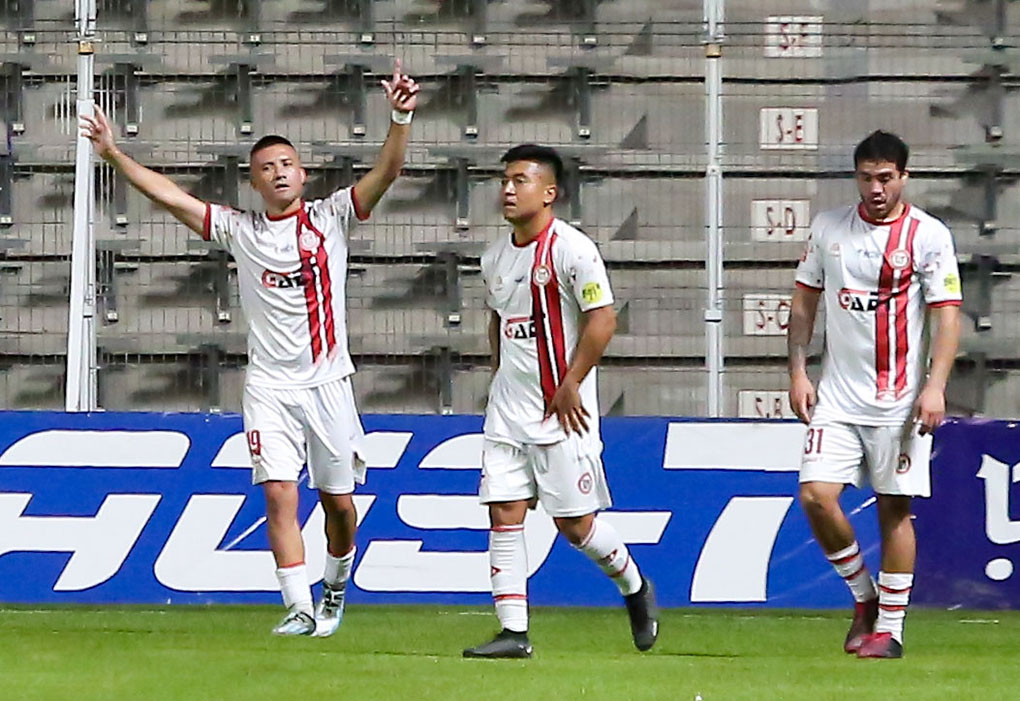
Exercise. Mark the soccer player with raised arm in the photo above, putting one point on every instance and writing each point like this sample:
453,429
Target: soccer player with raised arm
552,316
298,403
885,268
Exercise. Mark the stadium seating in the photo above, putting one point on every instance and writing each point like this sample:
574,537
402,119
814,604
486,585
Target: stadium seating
617,86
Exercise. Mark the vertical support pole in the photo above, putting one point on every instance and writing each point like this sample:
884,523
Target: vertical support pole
81,390
713,204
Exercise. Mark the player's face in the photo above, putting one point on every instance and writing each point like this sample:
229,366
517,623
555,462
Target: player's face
277,175
880,184
527,188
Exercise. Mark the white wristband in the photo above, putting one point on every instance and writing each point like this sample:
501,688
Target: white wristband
399,117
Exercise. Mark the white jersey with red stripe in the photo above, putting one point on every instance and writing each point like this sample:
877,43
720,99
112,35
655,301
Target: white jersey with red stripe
540,292
292,276
878,278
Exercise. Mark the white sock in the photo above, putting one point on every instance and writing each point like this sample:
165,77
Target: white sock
604,545
849,564
338,569
297,594
893,597
508,570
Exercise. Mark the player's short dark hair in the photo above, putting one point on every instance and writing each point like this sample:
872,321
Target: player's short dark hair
267,141
882,146
539,154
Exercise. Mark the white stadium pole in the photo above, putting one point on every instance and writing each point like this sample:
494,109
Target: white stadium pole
80,392
713,203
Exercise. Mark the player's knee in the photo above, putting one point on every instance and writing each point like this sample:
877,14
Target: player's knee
817,503
893,511
575,530
509,513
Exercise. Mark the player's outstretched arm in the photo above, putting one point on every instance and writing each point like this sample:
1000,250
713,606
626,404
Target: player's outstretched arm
798,337
402,94
158,188
599,327
931,403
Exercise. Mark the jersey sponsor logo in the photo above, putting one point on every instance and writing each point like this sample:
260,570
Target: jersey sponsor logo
542,274
858,300
591,293
519,328
899,259
283,281
952,283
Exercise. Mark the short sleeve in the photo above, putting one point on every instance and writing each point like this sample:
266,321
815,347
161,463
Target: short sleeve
810,270
221,224
342,207
586,273
935,263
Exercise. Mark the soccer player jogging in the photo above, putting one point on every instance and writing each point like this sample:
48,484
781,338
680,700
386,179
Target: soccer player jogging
885,268
552,316
298,403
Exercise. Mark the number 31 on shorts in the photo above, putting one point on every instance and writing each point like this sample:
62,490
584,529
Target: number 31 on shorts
813,441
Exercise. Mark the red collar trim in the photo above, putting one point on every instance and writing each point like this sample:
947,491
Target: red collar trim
875,222
281,217
542,234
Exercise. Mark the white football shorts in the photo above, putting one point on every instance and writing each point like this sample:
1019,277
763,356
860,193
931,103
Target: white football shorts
567,477
895,460
320,426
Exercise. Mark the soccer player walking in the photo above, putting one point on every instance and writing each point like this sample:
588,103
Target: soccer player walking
298,403
885,268
552,316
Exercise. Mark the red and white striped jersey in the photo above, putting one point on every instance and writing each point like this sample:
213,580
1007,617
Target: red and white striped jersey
540,292
879,279
292,275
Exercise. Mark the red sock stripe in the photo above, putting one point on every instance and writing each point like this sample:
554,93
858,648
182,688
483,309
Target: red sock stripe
890,607
507,529
292,564
622,569
855,573
502,597
890,590
844,560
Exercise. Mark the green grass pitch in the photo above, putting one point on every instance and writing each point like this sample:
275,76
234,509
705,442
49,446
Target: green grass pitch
413,652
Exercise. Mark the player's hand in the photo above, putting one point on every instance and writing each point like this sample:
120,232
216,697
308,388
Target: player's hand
930,409
401,90
97,129
566,404
802,397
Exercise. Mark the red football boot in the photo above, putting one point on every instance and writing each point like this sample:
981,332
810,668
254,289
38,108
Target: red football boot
863,625
881,645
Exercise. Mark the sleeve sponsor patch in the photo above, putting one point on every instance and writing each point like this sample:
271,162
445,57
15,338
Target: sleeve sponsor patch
952,283
591,293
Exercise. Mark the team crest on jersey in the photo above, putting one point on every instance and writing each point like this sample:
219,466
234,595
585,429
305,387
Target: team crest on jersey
309,241
542,275
899,259
585,483
903,464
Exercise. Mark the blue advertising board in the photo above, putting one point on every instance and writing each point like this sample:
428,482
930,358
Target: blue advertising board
159,508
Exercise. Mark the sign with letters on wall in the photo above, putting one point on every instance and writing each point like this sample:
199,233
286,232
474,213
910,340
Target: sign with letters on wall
159,508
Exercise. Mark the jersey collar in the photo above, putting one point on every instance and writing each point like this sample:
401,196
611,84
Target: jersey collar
281,217
875,222
541,236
